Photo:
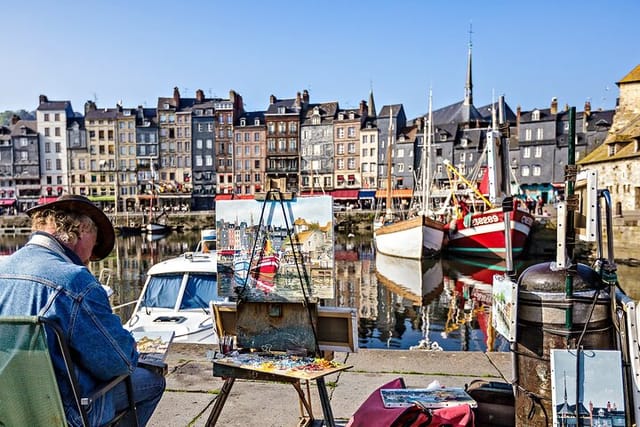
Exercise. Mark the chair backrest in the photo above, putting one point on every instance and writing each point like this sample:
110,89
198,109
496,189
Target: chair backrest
29,394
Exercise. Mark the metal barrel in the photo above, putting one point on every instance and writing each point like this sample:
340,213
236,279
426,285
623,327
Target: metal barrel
542,326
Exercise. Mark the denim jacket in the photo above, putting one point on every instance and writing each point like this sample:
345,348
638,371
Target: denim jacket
45,278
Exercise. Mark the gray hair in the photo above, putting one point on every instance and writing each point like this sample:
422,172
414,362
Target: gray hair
67,225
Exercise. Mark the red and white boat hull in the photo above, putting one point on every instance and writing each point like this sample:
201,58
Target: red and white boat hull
482,234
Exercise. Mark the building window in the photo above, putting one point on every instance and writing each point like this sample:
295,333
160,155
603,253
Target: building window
351,132
525,170
538,152
340,149
526,152
527,134
535,115
540,134
537,170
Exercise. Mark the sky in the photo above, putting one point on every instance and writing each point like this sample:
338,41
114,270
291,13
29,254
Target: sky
135,52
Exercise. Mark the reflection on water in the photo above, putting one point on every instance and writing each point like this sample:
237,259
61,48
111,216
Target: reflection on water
401,303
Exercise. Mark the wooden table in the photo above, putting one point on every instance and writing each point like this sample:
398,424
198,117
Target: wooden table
230,369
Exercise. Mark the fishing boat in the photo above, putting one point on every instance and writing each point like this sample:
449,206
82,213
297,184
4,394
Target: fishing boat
176,297
481,233
420,235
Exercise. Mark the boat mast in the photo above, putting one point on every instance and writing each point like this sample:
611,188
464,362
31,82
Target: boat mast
389,163
426,156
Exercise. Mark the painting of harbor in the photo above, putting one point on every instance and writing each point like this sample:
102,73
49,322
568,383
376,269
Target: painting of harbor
276,250
596,375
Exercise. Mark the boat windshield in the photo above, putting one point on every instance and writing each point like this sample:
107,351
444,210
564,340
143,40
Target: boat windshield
201,288
163,291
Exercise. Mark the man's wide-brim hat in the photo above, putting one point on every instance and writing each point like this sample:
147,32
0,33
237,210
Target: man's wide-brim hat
81,205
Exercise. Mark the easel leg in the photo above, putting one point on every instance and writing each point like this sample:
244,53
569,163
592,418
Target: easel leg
220,401
326,403
303,399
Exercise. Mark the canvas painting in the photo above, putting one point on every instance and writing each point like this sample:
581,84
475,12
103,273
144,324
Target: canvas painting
276,250
503,306
587,384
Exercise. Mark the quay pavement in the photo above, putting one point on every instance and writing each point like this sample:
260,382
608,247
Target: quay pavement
192,389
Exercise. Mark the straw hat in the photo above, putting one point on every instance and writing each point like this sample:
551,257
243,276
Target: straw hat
81,205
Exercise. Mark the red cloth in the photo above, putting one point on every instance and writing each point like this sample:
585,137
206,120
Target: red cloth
372,413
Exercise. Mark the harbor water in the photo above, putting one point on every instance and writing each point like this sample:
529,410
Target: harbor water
402,304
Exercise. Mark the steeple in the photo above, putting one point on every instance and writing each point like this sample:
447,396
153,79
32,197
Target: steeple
372,106
468,87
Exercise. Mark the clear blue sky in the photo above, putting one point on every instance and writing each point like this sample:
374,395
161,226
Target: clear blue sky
136,51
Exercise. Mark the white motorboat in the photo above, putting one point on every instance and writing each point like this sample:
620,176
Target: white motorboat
176,297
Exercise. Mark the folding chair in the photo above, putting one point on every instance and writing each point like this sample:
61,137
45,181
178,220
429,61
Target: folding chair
29,394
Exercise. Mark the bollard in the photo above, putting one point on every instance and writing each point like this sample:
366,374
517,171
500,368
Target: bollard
542,305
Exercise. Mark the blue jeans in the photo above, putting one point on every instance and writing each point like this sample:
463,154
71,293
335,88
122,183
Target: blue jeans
147,391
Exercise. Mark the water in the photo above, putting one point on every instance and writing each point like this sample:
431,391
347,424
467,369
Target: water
440,303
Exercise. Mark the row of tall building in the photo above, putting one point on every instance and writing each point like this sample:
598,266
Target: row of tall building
192,151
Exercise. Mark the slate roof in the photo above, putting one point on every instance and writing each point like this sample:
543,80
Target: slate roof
251,116
289,105
31,125
327,110
102,114
395,109
54,106
456,113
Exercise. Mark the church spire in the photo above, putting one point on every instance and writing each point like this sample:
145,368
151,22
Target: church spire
468,87
371,112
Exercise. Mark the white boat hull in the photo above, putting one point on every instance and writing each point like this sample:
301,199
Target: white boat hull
414,238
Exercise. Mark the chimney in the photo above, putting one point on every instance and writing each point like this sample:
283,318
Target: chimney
554,105
363,108
43,99
272,99
305,96
15,119
89,106
587,108
298,100
199,96
176,96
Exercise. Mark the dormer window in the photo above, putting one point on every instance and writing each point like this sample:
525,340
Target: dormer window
464,142
166,106
127,112
612,150
535,115
341,116
243,122
256,122
281,110
352,116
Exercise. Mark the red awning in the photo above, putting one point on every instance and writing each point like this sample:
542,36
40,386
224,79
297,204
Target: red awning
7,202
244,197
42,200
345,194
224,196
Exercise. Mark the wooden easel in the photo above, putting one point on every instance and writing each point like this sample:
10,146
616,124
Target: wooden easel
281,326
